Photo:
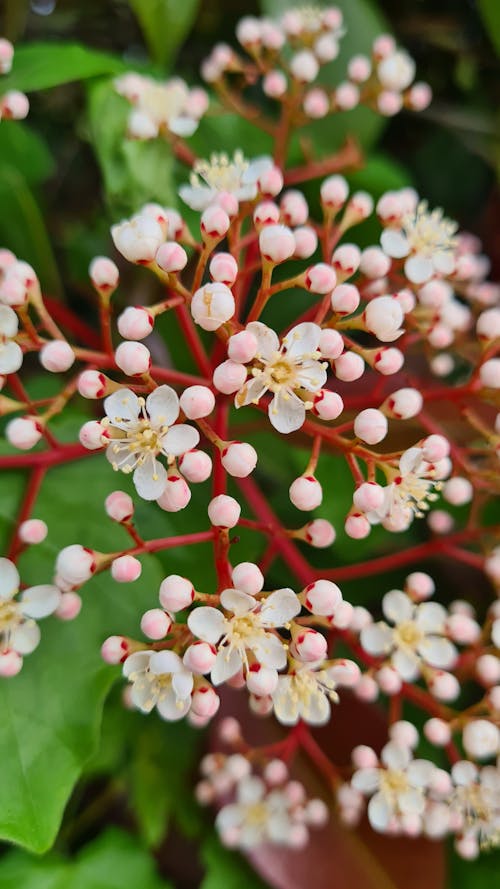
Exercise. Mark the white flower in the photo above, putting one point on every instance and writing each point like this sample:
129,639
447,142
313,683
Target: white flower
221,174
139,238
247,630
11,355
410,492
427,239
18,630
159,679
289,371
304,693
397,787
416,637
257,816
396,71
160,106
140,431
476,802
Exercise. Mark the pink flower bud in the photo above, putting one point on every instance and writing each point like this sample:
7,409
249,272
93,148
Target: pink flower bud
488,669
197,402
196,466
261,680
91,435
115,650
266,213
320,278
326,48
343,616
481,738
212,305
119,506
176,593
23,432
224,268
200,657
76,564
388,361
224,511
346,260
371,426
229,376
176,495
419,96
359,68
331,343
442,365
126,569
155,624
493,698
369,496
404,733
92,384
320,533
133,358
389,103
334,192
205,701
364,757
403,404
171,257
357,526
322,597
419,586
275,772
214,222
440,522
274,84
248,578
294,208
249,30
309,645
104,274
444,686
135,323
346,96
316,104
6,55
306,241
344,672
488,325
14,105
57,356
375,264
239,459
304,66
345,299
383,317
327,405
306,493
490,373
276,243
361,618
349,367
389,680
438,732
360,207
10,663
32,531
366,689
463,629
271,182
70,605
242,346
458,491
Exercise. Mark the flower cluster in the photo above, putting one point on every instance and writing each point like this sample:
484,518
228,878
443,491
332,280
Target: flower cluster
14,105
161,109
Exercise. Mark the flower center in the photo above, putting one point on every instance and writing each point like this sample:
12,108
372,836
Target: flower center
415,492
220,172
280,373
256,815
162,102
407,635
393,782
429,232
307,688
480,809
311,18
9,615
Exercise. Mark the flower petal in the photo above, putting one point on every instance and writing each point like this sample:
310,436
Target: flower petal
279,608
182,684
40,601
394,243
286,412
150,479
267,339
25,638
366,780
419,269
162,406
311,375
377,638
406,665
9,579
180,439
395,756
207,623
397,607
302,340
431,617
379,812
237,602
285,702
171,708
121,406
136,663
227,664
438,652
410,460
198,197
162,662
251,392
269,651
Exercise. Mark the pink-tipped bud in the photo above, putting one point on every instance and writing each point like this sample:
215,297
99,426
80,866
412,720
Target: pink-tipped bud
229,376
135,323
224,511
57,356
481,738
212,305
14,105
76,564
242,346
125,569
239,459
320,533
214,222
309,645
369,496
274,84
388,361
276,243
119,506
419,586
440,521
364,757
304,66
359,68
437,731
200,657
275,772
196,466
261,680
403,404
404,733
134,359
331,343
366,689
444,686
322,597
171,257
176,593
435,448
306,493
383,317
266,213
349,367
320,278
316,104
306,241
463,629
357,526
205,701
346,260
345,299
92,384
346,96
197,402
371,426
343,616
155,624
33,531
359,208
334,192
6,55
223,268
419,96
488,669
104,274
10,663
458,491
294,208
70,605
270,182
23,432
389,680
229,730
389,103
176,495
248,578
115,650
138,239
91,435
327,405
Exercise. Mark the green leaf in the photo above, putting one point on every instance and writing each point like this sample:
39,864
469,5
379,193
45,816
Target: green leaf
479,874
38,66
165,24
134,172
22,228
113,861
490,13
225,869
21,147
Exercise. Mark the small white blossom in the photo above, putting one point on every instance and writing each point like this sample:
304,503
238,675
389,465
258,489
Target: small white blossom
222,174
305,692
159,679
409,493
19,631
160,107
475,802
257,816
427,239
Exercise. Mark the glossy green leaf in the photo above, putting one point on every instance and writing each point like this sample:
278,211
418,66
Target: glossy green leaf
165,24
38,66
227,870
21,147
490,12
